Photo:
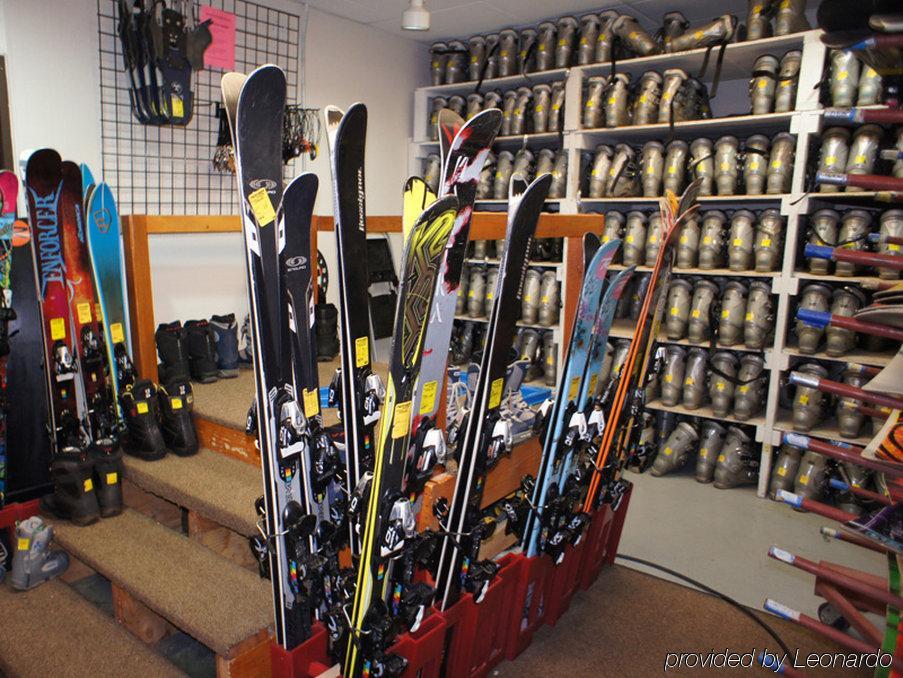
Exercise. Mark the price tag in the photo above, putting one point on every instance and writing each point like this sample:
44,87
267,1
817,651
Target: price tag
311,402
117,333
178,107
495,393
57,329
428,403
112,478
361,351
83,311
262,207
142,407
401,423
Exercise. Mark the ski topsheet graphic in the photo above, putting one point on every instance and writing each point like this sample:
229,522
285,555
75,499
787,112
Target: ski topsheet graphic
389,517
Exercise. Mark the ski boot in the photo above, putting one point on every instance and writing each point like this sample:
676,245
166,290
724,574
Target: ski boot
246,353
73,498
736,465
676,449
177,427
785,469
139,406
33,561
327,320
201,352
172,347
108,471
225,332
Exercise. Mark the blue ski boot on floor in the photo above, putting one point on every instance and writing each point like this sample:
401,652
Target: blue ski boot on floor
33,561
225,332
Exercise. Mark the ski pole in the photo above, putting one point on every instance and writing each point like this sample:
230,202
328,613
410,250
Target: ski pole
812,251
845,390
855,116
879,239
850,538
829,632
851,454
869,182
839,484
813,506
822,319
840,579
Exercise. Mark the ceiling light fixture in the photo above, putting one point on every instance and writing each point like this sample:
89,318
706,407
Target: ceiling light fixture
416,17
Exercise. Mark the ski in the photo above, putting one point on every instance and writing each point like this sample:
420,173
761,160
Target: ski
673,212
256,105
355,389
105,245
43,179
571,384
389,517
486,435
9,192
463,162
416,196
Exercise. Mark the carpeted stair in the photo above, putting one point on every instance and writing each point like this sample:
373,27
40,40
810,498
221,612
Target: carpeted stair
215,486
58,633
215,601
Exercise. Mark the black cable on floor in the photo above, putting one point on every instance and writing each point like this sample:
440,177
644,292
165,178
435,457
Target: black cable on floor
708,589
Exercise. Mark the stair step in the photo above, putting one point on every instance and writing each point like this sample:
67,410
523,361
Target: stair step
86,642
218,603
216,487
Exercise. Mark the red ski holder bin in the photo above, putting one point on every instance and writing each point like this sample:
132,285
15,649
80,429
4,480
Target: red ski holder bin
422,648
309,659
528,603
563,582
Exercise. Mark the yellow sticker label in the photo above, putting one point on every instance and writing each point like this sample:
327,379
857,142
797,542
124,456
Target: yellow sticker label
689,381
428,403
643,98
142,407
611,101
859,159
175,403
703,452
672,169
743,389
804,399
117,333
782,471
83,311
694,313
804,479
401,422
57,329
89,485
754,165
24,544
668,451
698,35
720,458
776,164
361,351
311,402
593,380
893,248
632,35
112,478
842,75
831,160
750,317
495,393
766,242
761,84
537,109
572,388
720,386
178,106
629,238
725,313
675,310
262,207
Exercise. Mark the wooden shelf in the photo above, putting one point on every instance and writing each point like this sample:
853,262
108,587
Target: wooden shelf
705,412
496,262
715,272
768,124
826,430
484,319
857,356
869,281
725,199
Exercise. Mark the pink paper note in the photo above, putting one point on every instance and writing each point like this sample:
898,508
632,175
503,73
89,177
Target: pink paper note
221,52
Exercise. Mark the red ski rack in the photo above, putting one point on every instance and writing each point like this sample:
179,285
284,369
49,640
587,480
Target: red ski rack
423,648
13,513
309,659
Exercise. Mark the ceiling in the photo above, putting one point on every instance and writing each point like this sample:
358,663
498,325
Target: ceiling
462,18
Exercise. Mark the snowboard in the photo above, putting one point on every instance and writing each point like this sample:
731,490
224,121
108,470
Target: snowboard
389,516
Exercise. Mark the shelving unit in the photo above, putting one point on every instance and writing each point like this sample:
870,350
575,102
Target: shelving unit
805,123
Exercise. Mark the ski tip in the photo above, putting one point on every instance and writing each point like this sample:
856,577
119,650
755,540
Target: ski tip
517,186
448,119
306,181
230,86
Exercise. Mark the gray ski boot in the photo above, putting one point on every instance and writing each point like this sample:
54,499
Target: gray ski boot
33,560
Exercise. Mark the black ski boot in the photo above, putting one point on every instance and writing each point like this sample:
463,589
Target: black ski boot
142,419
327,319
201,353
73,498
176,403
108,470
225,330
172,347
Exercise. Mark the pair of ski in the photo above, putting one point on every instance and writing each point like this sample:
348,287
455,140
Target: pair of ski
9,192
76,248
300,537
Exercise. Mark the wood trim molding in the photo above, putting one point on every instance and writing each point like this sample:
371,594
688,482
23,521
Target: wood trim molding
141,295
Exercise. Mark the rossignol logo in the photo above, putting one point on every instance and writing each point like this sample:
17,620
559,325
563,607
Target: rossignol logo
294,263
50,255
268,184
361,224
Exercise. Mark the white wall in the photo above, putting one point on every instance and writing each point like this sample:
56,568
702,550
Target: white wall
51,49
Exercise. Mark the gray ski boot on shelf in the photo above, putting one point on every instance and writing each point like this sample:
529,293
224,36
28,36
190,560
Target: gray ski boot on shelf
736,464
811,477
711,441
520,416
785,470
675,451
33,560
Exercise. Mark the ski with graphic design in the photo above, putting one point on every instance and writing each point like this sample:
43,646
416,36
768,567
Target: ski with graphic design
486,435
463,163
563,517
103,419
570,387
355,389
9,193
44,183
255,105
673,211
416,197
105,245
381,610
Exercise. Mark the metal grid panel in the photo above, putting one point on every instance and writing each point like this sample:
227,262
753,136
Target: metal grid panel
168,169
